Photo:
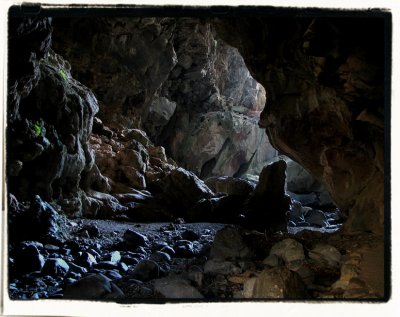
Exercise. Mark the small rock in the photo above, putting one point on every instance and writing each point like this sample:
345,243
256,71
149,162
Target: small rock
315,217
123,267
190,235
326,254
93,286
107,265
86,259
229,244
77,269
130,260
114,256
279,282
55,267
289,250
93,231
273,260
146,270
159,256
214,266
135,239
175,287
184,249
29,259
73,246
113,274
169,250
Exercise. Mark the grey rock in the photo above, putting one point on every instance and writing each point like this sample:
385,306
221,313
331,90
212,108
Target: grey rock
279,282
55,267
229,244
146,270
77,269
93,286
114,256
86,259
29,259
289,250
230,185
218,266
135,239
326,255
159,256
190,235
107,265
273,260
177,288
315,217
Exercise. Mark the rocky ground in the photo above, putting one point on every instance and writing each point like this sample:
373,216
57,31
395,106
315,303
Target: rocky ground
139,262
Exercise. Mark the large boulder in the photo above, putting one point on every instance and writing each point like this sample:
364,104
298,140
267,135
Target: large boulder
278,282
181,189
267,206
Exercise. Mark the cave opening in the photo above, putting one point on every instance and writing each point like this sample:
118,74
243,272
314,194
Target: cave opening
151,158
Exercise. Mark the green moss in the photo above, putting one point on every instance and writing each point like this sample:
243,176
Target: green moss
37,127
62,74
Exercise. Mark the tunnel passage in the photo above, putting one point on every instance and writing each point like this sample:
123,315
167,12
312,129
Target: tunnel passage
139,121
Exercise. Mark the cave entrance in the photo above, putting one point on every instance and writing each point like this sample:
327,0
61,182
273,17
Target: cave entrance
150,177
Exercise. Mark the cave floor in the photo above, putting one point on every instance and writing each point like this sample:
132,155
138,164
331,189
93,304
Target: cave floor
186,275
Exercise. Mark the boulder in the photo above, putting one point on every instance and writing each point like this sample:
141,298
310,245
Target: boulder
181,189
279,282
177,288
326,255
290,251
268,204
135,239
55,267
93,286
229,244
29,259
229,185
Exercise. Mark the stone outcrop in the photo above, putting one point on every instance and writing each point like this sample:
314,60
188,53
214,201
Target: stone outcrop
325,101
50,119
175,79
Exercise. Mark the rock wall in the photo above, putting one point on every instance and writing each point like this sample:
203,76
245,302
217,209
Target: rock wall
325,101
178,81
50,119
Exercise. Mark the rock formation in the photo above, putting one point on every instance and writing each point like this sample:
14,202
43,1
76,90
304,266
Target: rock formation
175,79
325,101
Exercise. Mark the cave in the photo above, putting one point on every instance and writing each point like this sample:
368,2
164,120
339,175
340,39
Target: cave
181,154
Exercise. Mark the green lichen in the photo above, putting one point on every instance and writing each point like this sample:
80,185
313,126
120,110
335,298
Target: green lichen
37,127
62,74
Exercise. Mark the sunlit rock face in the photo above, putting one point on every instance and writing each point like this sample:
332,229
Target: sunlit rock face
177,80
325,101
